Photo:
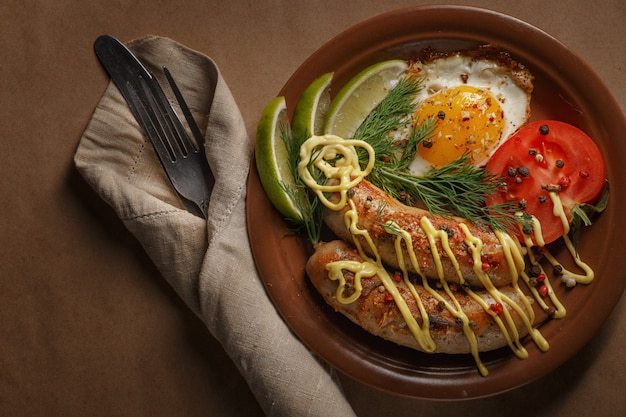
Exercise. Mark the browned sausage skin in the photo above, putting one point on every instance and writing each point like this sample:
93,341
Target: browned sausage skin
375,208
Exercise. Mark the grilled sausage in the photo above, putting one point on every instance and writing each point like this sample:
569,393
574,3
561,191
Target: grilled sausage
377,313
375,208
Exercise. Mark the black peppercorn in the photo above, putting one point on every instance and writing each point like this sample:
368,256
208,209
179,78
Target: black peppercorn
511,172
523,171
544,130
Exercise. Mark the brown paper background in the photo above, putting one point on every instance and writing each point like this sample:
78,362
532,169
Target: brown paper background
87,325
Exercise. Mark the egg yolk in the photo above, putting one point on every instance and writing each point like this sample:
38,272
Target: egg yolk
468,120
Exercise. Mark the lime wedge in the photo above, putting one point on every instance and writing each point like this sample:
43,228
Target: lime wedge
272,158
355,100
309,114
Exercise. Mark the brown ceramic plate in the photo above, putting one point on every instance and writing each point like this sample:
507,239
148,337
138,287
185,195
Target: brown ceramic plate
565,89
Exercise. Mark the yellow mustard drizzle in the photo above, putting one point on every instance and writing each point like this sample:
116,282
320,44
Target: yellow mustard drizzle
509,331
585,278
319,150
359,269
588,272
402,236
515,261
456,310
421,334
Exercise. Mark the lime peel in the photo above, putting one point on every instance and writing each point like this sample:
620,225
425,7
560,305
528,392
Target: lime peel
310,111
272,158
356,99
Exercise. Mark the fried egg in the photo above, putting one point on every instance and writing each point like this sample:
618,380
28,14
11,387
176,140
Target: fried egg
476,100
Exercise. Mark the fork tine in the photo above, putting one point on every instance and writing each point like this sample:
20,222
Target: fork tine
157,130
193,126
167,149
181,145
161,144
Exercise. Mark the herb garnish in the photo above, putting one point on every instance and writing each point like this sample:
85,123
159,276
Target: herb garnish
307,203
580,214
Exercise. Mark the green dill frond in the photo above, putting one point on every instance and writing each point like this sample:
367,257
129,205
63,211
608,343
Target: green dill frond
391,114
309,206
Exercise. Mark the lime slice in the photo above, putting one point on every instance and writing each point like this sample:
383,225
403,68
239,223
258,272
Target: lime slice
309,114
272,158
360,96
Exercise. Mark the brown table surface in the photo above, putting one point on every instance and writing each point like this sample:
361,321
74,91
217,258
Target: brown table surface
87,325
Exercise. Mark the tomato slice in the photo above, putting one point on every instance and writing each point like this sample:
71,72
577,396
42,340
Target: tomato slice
543,155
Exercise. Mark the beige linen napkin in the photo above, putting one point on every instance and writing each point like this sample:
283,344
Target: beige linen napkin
208,263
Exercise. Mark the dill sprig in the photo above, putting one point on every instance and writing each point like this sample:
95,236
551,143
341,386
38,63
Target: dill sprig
457,189
391,113
309,206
